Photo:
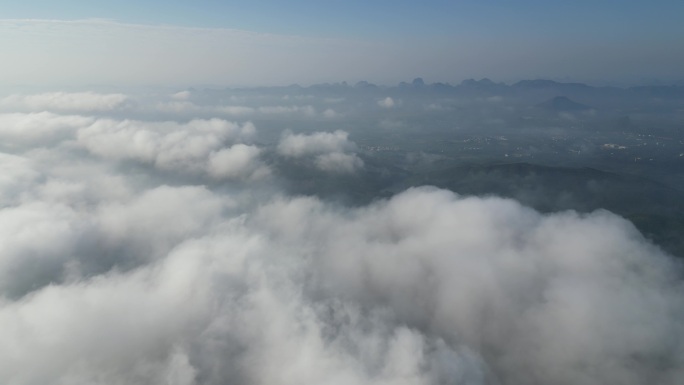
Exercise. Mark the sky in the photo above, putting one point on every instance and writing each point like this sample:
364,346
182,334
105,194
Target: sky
278,43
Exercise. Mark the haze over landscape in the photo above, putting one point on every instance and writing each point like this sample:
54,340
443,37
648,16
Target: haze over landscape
267,43
342,193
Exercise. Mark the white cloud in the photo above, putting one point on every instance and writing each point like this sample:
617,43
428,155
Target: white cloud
238,161
192,146
41,128
305,110
499,279
331,152
185,107
424,288
386,102
117,329
160,218
339,162
297,145
26,261
65,101
17,176
181,95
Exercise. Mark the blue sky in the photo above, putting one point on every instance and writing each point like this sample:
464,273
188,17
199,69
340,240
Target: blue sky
380,18
597,35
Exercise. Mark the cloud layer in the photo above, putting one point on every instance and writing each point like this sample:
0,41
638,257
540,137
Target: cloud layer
117,268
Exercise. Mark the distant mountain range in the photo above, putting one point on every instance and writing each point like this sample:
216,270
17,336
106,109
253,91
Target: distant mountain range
488,87
563,104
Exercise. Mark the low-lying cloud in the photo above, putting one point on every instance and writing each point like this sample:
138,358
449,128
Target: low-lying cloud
194,146
22,129
297,145
180,106
65,102
114,276
387,102
237,161
331,152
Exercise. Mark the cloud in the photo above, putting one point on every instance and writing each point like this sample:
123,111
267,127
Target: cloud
196,146
386,102
26,263
306,110
427,287
331,152
330,113
237,161
65,101
38,128
159,218
181,95
119,275
188,107
117,329
17,176
500,279
184,107
297,145
339,162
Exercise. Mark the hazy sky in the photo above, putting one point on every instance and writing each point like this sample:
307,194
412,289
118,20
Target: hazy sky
271,42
